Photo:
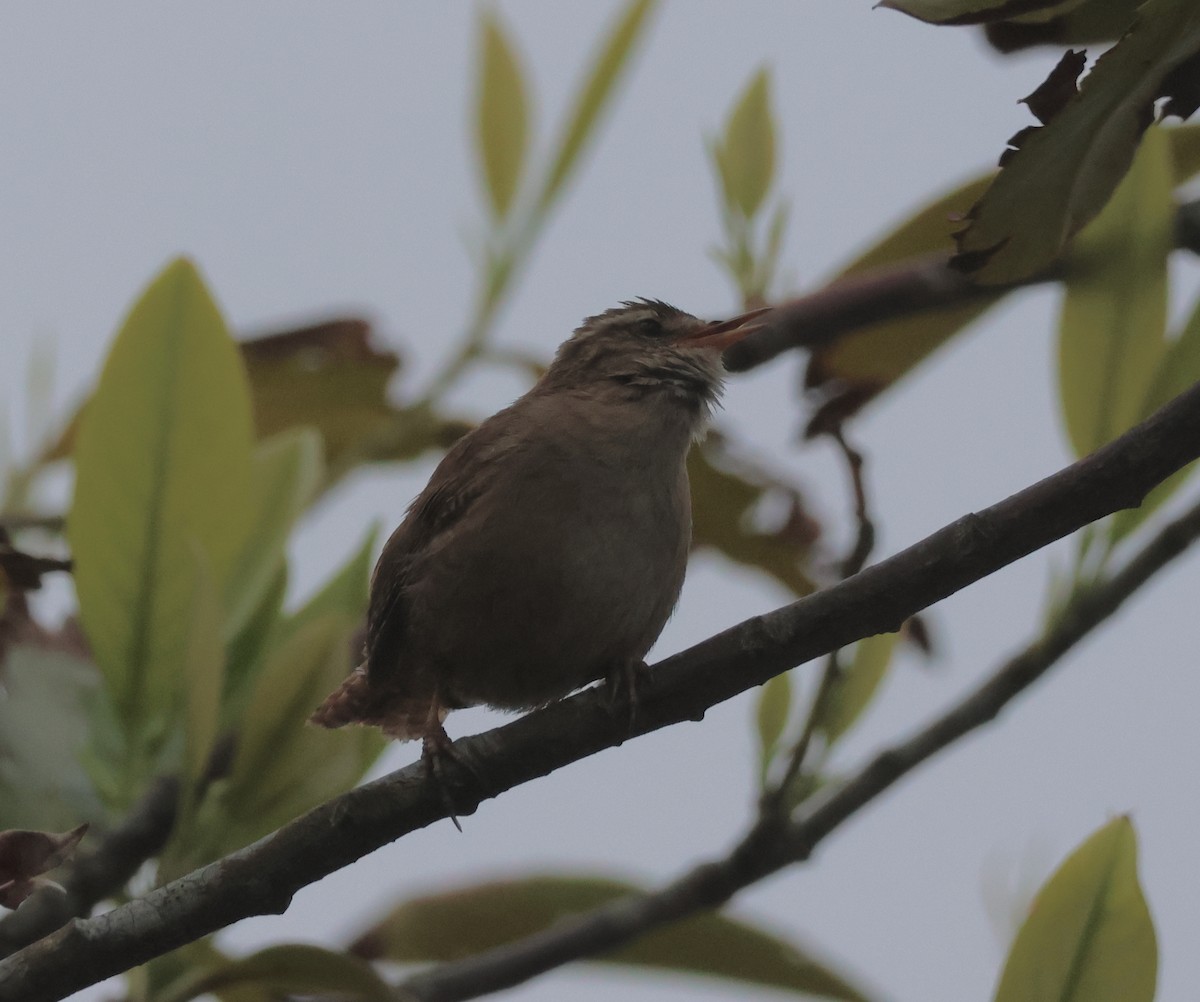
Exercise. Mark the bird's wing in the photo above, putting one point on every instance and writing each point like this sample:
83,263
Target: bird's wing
459,480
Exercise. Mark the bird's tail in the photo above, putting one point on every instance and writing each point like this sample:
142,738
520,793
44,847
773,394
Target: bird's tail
350,703
355,701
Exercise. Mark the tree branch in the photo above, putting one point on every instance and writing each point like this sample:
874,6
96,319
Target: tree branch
263,877
888,292
98,874
891,292
776,843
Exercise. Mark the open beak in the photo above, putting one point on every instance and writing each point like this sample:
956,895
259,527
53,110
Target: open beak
720,334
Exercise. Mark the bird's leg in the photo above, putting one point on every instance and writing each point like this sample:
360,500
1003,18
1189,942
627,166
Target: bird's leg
436,749
623,680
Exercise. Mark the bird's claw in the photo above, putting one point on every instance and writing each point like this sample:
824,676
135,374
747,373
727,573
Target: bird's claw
623,682
436,749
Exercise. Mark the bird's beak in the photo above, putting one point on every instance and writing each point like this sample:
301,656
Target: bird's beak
720,334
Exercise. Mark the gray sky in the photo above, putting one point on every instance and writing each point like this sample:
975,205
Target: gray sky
314,158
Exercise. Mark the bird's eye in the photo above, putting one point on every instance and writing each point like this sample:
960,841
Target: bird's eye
649,327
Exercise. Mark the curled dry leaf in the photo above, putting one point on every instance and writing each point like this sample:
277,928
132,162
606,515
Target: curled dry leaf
329,375
729,489
25,855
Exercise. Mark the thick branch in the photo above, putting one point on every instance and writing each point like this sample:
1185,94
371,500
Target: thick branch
775,843
262,878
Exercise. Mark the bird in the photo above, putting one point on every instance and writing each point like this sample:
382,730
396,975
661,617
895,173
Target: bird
548,549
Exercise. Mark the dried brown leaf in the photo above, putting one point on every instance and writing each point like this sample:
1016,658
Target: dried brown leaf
329,376
727,489
25,855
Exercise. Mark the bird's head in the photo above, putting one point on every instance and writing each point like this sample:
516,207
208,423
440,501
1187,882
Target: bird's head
647,348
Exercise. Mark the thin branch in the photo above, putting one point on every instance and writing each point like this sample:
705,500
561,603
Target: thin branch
98,874
262,878
776,843
23,571
888,292
775,798
864,541
892,292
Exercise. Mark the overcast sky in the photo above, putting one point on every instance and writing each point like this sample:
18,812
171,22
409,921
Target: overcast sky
314,158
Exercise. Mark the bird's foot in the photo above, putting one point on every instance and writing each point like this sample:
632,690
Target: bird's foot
623,682
436,750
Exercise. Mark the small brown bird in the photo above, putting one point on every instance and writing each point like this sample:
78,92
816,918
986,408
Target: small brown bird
548,549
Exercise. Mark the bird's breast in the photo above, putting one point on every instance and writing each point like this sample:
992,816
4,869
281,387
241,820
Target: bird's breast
567,566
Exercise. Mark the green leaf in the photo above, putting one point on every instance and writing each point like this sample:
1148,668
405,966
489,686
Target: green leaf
284,479
291,968
1185,151
501,116
1084,24
1180,366
1178,369
204,671
462,922
774,707
283,767
1089,936
866,361
594,95
745,154
245,650
856,687
1062,174
768,262
344,594
858,365
1111,334
163,459
978,11
927,231
43,723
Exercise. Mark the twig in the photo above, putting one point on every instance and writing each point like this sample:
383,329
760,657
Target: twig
891,292
23,571
262,878
98,874
775,798
775,843
864,541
